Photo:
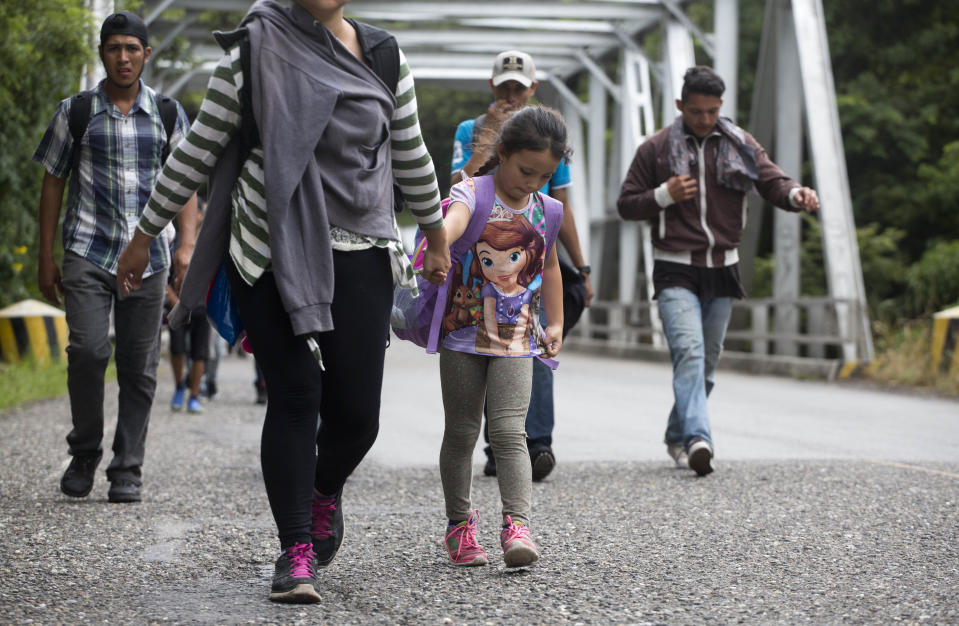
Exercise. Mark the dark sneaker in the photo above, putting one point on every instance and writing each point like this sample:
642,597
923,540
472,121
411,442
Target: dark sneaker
294,579
77,481
700,454
327,527
543,462
123,490
490,468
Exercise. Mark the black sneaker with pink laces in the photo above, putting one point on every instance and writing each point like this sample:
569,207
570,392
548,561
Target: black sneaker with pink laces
294,579
327,527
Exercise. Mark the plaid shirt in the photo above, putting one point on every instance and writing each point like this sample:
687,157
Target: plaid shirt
120,158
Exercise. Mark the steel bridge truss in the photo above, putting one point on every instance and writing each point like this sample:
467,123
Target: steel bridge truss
595,63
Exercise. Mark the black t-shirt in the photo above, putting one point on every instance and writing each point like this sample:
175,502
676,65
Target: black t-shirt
705,282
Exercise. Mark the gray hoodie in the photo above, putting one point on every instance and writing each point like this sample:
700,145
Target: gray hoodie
323,117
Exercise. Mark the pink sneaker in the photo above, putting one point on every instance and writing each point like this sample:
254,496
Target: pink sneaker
461,543
518,547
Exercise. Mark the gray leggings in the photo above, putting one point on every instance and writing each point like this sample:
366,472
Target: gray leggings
504,383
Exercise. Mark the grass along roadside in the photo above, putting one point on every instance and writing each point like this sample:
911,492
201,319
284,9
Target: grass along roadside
27,382
904,360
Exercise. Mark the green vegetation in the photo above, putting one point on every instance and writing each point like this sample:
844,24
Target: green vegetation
42,52
26,381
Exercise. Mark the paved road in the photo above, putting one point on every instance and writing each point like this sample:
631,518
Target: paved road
831,503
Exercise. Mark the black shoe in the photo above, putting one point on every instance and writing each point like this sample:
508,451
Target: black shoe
700,454
77,481
210,390
543,462
260,393
294,579
490,468
123,490
327,528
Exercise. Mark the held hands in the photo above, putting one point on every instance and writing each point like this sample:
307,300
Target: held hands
436,258
681,187
553,340
807,199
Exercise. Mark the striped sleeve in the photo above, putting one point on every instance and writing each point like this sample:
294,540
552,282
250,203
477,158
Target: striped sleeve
193,159
412,165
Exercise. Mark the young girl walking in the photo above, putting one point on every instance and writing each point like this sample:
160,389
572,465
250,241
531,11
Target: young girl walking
488,354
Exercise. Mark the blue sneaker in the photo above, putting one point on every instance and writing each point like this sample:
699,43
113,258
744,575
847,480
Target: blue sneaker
176,403
194,406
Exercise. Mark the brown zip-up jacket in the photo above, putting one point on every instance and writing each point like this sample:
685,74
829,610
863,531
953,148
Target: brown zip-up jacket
706,230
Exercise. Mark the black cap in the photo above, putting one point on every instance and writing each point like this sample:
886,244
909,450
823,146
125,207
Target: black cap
124,23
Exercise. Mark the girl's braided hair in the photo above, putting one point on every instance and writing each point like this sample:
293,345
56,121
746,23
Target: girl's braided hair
531,128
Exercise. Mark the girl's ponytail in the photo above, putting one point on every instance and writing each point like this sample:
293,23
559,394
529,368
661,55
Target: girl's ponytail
531,128
491,164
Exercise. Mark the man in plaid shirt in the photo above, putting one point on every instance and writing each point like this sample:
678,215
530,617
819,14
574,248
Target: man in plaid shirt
112,170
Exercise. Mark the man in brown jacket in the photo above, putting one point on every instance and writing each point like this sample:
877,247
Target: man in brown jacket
690,180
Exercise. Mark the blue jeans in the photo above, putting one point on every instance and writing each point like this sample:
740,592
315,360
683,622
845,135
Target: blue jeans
695,329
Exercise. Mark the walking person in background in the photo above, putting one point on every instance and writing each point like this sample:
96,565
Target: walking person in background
110,143
690,180
192,339
301,214
513,268
513,83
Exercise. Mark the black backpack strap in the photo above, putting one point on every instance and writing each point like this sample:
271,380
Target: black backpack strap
386,62
79,119
385,58
168,115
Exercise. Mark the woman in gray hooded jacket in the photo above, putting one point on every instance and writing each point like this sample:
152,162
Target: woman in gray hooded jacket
304,227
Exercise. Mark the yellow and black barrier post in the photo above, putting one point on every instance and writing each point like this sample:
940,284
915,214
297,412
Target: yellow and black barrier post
945,334
32,328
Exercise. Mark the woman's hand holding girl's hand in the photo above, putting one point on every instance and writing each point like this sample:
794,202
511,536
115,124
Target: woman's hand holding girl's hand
436,258
553,340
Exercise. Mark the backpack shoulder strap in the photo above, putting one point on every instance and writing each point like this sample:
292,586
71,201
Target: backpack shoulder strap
553,209
386,63
383,50
485,195
168,115
80,106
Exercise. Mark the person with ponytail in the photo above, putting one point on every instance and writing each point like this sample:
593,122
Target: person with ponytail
489,357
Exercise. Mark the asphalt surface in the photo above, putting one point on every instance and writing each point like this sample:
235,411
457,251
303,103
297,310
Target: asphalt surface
830,504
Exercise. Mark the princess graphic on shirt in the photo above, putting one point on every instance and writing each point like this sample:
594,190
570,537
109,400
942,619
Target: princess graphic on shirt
509,257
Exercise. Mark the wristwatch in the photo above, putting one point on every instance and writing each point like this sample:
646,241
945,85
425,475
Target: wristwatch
584,270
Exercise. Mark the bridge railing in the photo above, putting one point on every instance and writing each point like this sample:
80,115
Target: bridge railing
752,341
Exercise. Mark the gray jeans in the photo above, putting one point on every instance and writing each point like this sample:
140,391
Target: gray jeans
468,379
89,295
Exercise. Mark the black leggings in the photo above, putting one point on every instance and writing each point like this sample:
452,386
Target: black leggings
346,394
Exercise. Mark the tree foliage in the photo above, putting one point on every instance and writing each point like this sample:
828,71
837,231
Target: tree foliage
42,52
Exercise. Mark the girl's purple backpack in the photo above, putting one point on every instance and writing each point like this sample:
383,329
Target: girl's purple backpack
419,318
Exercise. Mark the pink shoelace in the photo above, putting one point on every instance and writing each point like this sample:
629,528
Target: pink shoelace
515,531
467,532
323,510
301,556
